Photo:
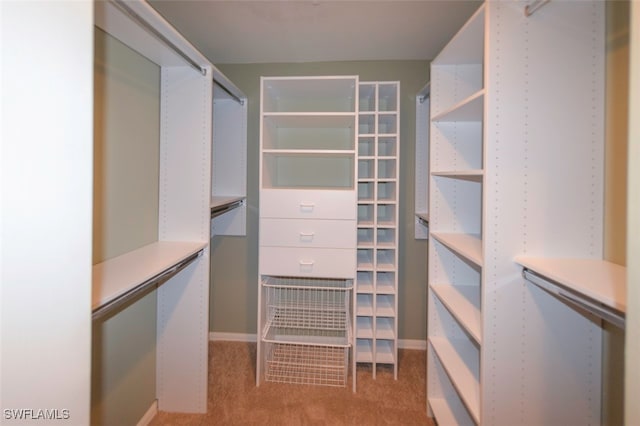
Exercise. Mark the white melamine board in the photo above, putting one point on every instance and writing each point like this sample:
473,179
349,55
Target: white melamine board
467,46
472,175
446,415
421,195
469,109
597,279
115,277
112,19
185,153
457,145
46,180
467,245
182,340
463,303
461,362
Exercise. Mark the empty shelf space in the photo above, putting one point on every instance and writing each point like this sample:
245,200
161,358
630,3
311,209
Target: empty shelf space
467,245
385,351
309,94
364,327
467,46
469,109
461,363
364,350
463,303
121,276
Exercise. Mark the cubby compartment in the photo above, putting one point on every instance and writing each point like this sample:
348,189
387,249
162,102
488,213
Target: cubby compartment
388,97
364,350
364,304
365,237
367,96
366,146
364,282
364,327
304,132
387,169
365,214
386,191
385,282
365,259
366,169
318,171
386,259
386,215
366,124
387,146
366,191
387,123
459,204
386,351
309,94
386,237
385,328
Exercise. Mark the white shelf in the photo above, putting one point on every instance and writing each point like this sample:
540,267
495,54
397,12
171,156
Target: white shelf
467,46
115,277
468,246
461,364
469,109
471,175
596,280
309,94
463,303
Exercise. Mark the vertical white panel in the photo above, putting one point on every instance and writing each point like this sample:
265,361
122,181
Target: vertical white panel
183,301
543,196
632,367
421,195
45,214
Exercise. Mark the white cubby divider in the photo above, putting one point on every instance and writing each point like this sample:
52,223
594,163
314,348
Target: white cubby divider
376,300
508,181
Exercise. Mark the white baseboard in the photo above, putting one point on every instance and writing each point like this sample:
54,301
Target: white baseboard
420,345
232,337
150,414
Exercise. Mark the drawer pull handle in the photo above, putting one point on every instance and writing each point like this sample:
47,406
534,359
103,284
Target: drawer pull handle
307,207
306,266
306,237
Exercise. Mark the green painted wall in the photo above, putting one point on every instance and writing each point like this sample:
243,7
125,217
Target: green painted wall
234,297
126,164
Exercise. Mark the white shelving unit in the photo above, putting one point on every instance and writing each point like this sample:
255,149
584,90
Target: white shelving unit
376,302
228,159
509,178
307,253
421,197
184,206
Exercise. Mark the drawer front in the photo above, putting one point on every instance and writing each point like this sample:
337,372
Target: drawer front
308,262
308,233
308,204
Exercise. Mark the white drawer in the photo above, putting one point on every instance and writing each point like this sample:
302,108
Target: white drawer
320,233
308,262
308,204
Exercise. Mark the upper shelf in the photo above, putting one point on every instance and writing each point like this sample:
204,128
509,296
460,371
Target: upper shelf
587,280
309,94
117,278
469,109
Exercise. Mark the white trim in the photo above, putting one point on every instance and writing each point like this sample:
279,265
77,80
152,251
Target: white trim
149,415
232,337
420,345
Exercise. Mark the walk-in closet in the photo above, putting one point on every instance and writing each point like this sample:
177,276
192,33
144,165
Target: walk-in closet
319,212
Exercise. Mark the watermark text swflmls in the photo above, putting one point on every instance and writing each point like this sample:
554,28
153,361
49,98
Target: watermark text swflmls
36,414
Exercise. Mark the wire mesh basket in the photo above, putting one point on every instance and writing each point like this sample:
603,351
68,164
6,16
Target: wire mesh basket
307,364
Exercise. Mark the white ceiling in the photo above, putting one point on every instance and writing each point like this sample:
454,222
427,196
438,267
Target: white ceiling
243,31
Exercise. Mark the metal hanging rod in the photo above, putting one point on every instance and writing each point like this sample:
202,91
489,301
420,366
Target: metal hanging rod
121,4
424,93
604,312
217,211
142,289
533,6
229,92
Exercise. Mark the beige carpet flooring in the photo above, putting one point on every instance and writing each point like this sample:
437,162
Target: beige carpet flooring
234,398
